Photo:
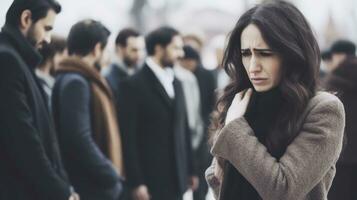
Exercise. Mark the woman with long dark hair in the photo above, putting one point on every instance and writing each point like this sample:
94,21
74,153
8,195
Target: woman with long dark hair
276,137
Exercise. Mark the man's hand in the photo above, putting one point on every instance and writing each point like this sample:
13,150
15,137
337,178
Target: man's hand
141,193
239,105
74,196
193,183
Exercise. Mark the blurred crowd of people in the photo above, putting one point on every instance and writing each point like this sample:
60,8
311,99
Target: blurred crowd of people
339,75
73,127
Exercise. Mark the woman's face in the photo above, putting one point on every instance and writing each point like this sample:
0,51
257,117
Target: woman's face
262,65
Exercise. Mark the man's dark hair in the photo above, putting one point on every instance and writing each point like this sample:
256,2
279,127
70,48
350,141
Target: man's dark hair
123,36
84,35
191,53
38,8
161,36
344,46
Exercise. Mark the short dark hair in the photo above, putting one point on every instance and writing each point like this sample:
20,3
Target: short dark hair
38,8
161,36
84,35
191,53
123,36
343,46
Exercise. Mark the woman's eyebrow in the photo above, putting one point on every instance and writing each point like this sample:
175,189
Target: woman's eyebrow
258,50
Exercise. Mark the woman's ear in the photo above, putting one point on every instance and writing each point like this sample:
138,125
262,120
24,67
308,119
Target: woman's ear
25,21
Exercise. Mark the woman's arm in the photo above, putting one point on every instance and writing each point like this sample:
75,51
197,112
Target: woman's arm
305,162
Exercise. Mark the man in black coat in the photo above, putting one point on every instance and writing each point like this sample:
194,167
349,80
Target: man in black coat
206,88
31,166
343,81
156,141
129,47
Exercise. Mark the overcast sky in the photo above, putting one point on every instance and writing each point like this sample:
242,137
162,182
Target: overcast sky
114,13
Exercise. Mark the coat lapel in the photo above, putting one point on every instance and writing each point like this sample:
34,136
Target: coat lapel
157,86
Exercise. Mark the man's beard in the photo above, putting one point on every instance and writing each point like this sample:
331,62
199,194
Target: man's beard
97,66
129,63
166,62
32,38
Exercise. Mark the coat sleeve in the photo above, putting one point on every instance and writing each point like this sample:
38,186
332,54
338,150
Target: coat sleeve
128,119
19,139
212,180
306,161
192,165
74,124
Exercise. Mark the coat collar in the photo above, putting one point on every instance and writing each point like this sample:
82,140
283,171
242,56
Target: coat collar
30,55
76,65
157,86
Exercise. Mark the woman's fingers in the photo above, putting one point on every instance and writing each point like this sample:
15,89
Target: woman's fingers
239,96
239,105
247,95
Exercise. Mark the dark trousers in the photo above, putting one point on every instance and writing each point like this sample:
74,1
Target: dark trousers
202,159
344,183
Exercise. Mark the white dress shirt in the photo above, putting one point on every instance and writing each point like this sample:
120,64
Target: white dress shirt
165,76
191,92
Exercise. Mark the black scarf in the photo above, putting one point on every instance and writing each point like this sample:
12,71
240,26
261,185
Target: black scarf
261,116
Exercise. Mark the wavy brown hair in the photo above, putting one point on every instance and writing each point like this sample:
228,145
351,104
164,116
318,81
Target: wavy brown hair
287,32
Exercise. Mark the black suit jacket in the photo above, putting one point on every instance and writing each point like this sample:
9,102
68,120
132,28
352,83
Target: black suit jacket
30,162
114,74
207,86
157,147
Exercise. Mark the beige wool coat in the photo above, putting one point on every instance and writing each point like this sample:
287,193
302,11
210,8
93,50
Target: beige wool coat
304,172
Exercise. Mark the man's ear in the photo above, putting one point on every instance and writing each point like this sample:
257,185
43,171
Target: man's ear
97,49
25,20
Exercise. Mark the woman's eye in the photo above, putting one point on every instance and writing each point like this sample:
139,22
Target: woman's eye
245,53
266,54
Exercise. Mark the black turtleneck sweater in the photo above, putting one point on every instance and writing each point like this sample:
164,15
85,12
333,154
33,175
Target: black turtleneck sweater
261,116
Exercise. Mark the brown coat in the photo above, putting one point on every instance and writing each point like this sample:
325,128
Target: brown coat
305,171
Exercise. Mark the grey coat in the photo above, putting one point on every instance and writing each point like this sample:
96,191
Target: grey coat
305,171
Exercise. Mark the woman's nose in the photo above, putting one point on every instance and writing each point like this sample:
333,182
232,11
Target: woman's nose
254,65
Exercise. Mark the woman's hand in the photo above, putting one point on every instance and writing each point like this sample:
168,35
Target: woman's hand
218,168
239,105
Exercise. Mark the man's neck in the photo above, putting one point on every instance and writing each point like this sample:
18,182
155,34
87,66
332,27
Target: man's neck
89,60
157,61
46,68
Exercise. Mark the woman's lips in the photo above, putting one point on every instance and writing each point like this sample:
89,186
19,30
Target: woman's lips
258,81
